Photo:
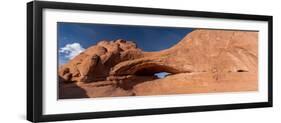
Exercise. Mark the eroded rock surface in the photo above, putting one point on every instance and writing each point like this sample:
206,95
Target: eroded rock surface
203,61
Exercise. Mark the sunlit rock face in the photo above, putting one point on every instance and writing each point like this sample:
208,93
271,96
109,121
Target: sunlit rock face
203,61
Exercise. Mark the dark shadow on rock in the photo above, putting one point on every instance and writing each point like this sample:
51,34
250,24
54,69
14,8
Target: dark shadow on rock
128,84
71,91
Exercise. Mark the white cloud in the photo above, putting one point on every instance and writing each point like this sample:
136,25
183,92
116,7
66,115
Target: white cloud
71,50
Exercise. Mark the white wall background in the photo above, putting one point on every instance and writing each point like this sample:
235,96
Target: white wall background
13,61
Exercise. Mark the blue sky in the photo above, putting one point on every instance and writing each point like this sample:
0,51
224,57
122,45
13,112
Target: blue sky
161,74
73,38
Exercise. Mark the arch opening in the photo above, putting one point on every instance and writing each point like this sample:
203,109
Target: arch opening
157,71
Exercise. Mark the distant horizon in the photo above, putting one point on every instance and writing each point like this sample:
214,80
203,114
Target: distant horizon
74,38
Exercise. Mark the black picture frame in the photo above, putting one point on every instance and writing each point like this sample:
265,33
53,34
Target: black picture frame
35,69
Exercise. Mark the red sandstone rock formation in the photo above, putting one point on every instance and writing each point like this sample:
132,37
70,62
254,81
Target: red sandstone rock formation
203,61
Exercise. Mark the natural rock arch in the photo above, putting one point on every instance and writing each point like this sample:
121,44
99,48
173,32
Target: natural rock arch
149,69
144,67
203,61
201,50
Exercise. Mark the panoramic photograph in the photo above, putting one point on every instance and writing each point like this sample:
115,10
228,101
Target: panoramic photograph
108,60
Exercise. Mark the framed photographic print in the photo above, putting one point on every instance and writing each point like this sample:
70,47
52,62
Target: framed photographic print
95,61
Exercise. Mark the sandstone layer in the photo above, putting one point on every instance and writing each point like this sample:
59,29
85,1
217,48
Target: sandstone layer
203,61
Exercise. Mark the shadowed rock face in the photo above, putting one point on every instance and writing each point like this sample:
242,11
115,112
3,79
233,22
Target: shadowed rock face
203,61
